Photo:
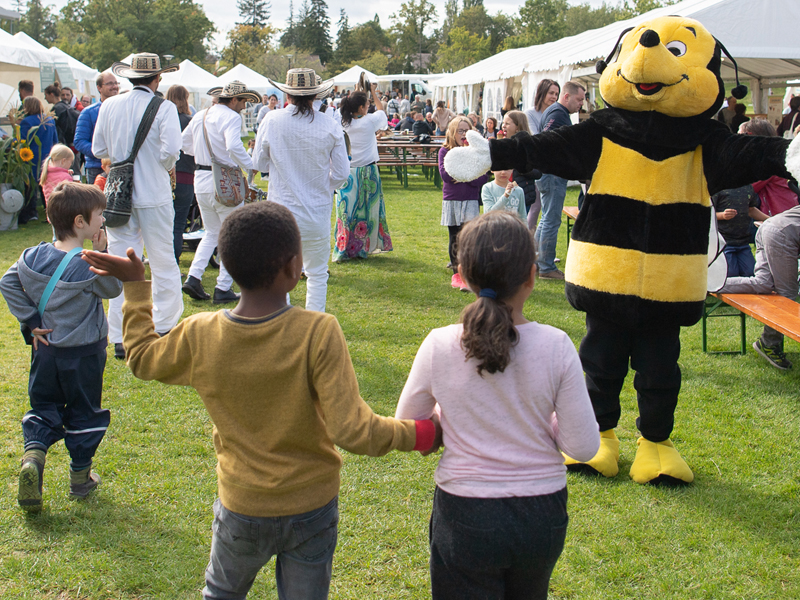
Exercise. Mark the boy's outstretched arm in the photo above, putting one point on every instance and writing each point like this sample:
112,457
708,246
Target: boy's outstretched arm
149,356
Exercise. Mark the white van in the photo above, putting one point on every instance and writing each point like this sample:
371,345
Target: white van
408,85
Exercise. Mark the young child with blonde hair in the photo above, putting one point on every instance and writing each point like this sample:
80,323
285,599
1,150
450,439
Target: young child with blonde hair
56,168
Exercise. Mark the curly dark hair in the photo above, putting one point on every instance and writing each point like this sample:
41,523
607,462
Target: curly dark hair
495,251
256,241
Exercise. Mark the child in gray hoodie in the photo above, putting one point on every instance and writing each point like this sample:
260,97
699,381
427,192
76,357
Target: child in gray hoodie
68,331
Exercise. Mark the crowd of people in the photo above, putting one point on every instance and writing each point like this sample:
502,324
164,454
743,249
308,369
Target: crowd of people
275,427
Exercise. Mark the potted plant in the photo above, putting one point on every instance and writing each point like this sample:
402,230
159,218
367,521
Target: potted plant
16,171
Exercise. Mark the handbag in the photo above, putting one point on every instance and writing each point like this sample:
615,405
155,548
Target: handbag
119,185
789,133
230,184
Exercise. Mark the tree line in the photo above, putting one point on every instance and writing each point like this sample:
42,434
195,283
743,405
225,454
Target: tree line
98,32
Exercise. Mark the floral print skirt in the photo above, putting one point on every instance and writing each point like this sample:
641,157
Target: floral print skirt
361,226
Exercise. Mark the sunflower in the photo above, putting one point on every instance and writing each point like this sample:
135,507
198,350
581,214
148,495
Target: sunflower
26,154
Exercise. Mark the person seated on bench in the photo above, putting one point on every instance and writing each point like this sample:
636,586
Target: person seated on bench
777,252
736,209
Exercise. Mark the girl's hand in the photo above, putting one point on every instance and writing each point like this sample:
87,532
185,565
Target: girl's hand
39,336
99,241
510,187
124,269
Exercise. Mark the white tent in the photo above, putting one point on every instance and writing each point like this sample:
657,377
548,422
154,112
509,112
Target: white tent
760,35
20,61
252,79
83,74
195,79
349,78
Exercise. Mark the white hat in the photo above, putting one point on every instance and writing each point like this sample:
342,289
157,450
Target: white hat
142,65
303,82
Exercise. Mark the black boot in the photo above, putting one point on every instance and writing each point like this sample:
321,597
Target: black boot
194,289
224,297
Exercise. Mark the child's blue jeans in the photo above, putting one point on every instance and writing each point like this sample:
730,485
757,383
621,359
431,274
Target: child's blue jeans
495,548
241,545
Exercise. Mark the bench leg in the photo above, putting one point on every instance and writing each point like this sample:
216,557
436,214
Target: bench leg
743,330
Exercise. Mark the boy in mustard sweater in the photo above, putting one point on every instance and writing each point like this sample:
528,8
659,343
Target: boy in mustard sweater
280,388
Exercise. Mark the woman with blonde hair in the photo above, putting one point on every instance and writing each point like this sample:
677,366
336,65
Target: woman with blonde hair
460,200
514,122
55,169
184,171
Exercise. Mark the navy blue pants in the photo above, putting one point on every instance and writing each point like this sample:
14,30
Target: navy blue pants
653,353
65,398
184,195
495,548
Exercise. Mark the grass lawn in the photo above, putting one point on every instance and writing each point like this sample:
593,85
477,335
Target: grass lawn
146,532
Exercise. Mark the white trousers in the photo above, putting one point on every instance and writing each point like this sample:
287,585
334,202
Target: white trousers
149,228
213,214
316,254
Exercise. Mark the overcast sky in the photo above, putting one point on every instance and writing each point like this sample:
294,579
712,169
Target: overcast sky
220,13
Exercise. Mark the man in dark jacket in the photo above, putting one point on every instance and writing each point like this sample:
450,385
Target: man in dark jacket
406,124
66,116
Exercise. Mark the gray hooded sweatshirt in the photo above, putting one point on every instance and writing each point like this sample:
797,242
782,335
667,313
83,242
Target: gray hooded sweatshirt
75,309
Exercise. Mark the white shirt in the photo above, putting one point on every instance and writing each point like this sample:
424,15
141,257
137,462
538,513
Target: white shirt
363,144
224,126
115,131
502,432
307,160
405,106
263,113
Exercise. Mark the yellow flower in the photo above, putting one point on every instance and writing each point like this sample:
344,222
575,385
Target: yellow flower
26,154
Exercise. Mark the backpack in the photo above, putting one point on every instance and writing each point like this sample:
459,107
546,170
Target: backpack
66,122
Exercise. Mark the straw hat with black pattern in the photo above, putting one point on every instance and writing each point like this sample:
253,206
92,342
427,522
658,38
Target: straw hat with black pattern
235,89
143,65
303,82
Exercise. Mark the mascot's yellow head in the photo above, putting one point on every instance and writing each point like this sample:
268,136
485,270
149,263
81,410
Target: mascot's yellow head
669,65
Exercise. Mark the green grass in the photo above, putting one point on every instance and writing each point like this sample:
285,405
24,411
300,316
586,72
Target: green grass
735,533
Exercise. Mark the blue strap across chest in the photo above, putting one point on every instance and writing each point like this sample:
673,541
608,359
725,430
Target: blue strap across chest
51,285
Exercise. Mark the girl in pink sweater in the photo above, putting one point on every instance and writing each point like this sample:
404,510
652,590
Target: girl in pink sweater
512,397
56,168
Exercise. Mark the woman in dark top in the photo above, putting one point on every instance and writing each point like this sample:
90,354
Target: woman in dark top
184,171
47,135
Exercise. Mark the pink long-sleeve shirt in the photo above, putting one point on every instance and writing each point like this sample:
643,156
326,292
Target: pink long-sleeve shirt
503,432
55,175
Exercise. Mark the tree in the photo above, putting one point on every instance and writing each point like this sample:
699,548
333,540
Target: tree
313,29
345,50
539,22
99,32
290,34
374,62
40,23
276,61
254,12
408,30
246,44
463,49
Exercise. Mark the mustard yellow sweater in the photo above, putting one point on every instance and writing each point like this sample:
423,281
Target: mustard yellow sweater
281,391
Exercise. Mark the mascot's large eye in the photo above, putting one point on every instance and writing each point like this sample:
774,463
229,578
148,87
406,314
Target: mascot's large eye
677,48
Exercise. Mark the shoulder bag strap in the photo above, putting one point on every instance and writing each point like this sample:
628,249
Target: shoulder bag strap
144,127
51,285
205,137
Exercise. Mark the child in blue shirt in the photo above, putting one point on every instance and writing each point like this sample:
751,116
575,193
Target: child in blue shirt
502,193
69,339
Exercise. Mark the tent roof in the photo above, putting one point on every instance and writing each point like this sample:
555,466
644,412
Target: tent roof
252,79
27,40
764,47
79,70
16,51
350,77
190,76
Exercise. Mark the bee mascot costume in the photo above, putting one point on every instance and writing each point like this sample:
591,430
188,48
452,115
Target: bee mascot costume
637,264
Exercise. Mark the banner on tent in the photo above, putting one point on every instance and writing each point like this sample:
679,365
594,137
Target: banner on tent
49,73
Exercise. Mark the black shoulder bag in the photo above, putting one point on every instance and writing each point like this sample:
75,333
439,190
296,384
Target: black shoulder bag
119,185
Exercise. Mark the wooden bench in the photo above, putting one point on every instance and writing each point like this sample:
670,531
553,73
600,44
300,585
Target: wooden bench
782,314
572,214
402,155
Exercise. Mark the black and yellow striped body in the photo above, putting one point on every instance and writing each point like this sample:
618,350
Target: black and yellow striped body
639,247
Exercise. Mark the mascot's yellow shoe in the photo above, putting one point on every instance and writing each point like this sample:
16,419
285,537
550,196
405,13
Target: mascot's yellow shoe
658,463
604,462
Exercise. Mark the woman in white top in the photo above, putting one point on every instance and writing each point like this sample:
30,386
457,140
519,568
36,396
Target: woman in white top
361,226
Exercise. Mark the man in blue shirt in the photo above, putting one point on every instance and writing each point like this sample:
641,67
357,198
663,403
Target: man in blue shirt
108,86
553,189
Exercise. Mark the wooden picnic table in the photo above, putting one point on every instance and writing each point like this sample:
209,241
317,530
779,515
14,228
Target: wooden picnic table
402,154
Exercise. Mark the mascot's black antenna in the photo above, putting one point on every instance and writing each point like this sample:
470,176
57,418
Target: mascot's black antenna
601,65
740,91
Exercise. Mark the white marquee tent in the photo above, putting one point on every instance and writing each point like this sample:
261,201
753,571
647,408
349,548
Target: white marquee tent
349,78
759,34
195,79
83,75
252,79
20,61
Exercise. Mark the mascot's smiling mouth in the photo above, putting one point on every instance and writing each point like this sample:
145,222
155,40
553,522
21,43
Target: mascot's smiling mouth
649,89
